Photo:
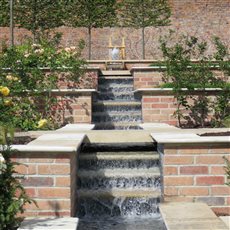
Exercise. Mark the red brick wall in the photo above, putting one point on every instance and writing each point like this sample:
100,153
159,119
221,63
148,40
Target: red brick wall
73,108
147,78
195,173
48,179
201,18
158,108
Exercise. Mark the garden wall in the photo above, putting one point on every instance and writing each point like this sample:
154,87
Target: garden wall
159,104
194,172
50,181
74,99
203,19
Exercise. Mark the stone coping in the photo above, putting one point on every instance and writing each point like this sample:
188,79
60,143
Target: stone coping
147,68
186,138
124,60
49,223
57,142
76,127
73,91
194,216
43,148
169,91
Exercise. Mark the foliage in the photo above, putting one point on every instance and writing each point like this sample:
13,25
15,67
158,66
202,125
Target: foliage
4,13
91,14
38,15
13,196
222,107
144,13
21,71
184,73
227,170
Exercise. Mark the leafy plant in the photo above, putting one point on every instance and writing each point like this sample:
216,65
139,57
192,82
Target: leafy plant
13,196
144,13
182,72
91,14
30,71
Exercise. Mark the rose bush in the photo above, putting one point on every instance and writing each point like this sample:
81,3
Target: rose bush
28,73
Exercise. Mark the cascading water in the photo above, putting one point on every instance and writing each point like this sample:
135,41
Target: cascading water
119,188
115,106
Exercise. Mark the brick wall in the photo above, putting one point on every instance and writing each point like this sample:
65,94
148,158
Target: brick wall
73,108
147,78
201,18
195,173
49,178
159,106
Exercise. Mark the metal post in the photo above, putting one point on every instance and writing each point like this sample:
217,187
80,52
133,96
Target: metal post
11,24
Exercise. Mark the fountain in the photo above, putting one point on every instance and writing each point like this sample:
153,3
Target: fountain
119,187
116,106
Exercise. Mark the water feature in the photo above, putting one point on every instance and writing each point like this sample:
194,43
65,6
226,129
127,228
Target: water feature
116,106
119,187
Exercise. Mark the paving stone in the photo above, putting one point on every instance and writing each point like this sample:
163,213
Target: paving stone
194,216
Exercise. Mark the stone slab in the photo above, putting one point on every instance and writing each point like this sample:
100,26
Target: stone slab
119,136
40,223
76,127
193,216
174,138
226,220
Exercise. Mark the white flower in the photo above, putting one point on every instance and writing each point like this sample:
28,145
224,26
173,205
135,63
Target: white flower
39,51
36,46
2,159
67,49
2,163
73,47
26,55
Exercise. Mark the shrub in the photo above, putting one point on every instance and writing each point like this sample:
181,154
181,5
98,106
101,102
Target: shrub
30,71
183,72
13,196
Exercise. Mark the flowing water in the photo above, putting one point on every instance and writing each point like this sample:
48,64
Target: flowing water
119,188
116,106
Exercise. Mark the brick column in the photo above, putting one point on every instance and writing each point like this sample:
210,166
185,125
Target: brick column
195,173
50,181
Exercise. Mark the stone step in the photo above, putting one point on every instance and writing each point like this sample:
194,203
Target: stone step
117,125
116,89
141,142
115,81
128,155
115,72
118,162
118,173
111,96
116,181
116,192
116,108
111,206
118,103
117,118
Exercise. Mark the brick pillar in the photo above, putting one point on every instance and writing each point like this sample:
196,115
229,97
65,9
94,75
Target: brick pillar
195,173
50,181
